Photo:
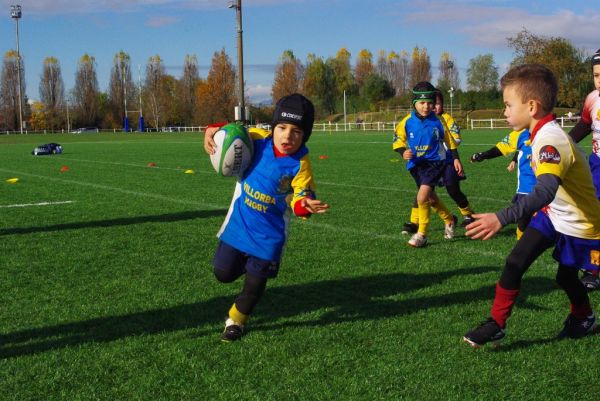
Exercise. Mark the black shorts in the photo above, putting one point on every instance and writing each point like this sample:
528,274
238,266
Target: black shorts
230,259
450,176
428,173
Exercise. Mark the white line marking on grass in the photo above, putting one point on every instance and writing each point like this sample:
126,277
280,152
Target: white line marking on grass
121,190
37,204
133,165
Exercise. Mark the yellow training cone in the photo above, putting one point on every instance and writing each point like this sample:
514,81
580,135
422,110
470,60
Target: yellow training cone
12,180
189,171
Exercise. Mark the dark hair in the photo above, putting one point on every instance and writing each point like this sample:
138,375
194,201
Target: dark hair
596,58
295,109
533,82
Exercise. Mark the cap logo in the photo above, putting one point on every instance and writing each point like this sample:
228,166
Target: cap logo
291,115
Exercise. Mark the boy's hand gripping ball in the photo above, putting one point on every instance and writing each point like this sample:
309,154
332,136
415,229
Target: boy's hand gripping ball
234,150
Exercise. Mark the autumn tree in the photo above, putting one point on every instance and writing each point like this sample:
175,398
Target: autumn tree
186,100
448,73
364,67
288,76
9,89
482,74
217,97
121,89
52,93
561,57
420,66
398,71
342,73
86,92
319,84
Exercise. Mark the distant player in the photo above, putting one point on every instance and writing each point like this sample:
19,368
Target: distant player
571,221
518,142
420,138
255,229
590,122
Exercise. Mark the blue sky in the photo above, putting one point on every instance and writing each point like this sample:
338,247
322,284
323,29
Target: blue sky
66,29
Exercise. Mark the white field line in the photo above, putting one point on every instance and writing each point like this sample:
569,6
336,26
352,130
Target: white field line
37,204
116,189
132,165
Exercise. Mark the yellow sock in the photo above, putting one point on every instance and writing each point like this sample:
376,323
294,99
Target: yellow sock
424,211
443,212
414,215
519,234
237,316
466,211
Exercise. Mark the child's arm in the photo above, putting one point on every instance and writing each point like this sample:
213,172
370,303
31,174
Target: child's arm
580,130
400,143
303,202
513,162
488,154
209,134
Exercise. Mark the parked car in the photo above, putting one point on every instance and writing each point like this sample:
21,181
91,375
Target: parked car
85,130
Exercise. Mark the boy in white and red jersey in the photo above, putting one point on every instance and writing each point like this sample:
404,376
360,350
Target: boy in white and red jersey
568,216
590,122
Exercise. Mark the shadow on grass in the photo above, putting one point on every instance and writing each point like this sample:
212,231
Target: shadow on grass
349,299
123,221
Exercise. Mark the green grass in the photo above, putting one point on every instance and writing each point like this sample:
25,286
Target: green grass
112,297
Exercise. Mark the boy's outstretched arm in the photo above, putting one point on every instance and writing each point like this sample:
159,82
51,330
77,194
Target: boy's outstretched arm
209,133
315,205
486,225
488,154
580,130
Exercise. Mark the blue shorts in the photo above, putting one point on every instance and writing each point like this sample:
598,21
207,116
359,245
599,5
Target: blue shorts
231,259
450,176
595,168
569,251
428,173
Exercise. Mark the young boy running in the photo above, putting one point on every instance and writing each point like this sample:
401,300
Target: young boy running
420,139
570,222
255,229
519,142
590,122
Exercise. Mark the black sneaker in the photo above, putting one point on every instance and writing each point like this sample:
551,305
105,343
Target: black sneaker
232,332
577,328
486,332
466,221
590,281
409,228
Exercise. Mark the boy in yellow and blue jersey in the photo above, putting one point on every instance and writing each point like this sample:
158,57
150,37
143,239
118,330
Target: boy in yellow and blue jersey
255,229
518,142
568,212
421,138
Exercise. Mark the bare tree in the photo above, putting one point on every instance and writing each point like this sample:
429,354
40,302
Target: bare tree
420,66
9,89
121,89
155,70
288,76
52,93
187,89
448,73
85,92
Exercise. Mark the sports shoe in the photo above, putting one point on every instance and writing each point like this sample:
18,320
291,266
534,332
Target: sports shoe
590,281
577,328
418,240
450,228
466,221
486,332
233,331
409,228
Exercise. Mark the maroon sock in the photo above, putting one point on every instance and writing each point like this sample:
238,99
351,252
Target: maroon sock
582,310
503,304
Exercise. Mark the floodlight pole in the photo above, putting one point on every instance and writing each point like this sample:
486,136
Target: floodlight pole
237,4
15,13
451,92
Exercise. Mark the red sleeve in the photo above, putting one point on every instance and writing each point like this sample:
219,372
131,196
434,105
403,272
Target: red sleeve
300,210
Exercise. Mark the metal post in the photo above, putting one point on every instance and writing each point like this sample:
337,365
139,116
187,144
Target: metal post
345,122
15,13
451,91
240,50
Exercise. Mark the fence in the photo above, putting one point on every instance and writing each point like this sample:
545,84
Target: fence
364,126
494,123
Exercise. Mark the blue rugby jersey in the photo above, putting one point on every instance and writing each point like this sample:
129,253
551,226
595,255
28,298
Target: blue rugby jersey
258,216
518,141
425,137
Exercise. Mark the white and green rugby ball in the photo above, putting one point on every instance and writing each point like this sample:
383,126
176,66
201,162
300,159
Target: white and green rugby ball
234,150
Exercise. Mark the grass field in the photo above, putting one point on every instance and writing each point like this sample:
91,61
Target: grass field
107,293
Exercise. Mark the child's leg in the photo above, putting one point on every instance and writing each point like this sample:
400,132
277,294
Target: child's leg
531,245
424,204
459,198
228,263
414,213
567,278
254,288
439,207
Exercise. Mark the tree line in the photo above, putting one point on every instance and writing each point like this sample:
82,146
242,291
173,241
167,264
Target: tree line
371,83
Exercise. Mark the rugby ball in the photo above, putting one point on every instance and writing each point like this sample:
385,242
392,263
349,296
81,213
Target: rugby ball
234,149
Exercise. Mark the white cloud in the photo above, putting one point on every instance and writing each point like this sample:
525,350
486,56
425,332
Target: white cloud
258,93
